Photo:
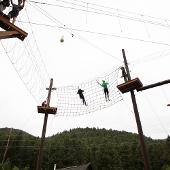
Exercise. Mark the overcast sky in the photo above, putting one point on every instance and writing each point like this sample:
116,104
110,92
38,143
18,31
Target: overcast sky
94,34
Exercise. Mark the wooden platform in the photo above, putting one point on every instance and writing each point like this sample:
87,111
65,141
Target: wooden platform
49,110
12,31
133,84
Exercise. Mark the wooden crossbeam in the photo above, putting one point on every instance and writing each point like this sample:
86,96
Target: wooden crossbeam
8,34
8,26
154,85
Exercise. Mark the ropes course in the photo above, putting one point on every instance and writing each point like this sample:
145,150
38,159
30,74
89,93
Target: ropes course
31,69
69,103
29,65
87,97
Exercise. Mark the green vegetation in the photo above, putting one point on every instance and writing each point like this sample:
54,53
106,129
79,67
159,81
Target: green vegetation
105,149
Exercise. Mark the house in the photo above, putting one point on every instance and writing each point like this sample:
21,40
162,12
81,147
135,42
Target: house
82,167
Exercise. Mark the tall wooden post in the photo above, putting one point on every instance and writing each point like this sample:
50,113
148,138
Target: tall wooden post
7,145
40,156
138,122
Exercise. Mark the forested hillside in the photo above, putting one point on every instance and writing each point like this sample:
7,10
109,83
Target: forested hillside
105,149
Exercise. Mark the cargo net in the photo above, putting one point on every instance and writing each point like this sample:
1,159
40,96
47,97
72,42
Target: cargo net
69,102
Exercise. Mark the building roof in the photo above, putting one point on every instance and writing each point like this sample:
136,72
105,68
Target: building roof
82,167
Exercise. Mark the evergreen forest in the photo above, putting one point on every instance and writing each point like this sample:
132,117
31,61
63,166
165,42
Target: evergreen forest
105,149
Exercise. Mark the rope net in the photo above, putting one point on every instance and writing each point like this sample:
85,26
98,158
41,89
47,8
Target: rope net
26,59
69,102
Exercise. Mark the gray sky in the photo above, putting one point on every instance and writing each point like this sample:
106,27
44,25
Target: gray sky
101,30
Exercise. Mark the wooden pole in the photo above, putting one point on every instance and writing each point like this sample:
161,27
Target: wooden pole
138,122
40,156
7,145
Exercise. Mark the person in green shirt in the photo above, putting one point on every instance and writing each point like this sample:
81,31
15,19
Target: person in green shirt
104,84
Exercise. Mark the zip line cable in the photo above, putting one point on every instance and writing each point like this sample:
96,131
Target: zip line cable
119,36
99,33
102,34
141,17
128,12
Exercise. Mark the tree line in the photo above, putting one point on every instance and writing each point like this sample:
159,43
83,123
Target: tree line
105,149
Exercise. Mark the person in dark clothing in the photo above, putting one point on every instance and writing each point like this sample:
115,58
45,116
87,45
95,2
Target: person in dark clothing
44,104
4,4
81,95
16,9
105,88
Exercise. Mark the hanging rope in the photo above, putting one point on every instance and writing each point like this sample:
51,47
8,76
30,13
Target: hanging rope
69,102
